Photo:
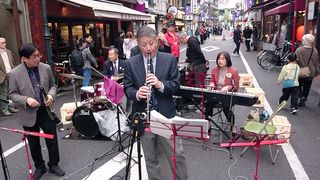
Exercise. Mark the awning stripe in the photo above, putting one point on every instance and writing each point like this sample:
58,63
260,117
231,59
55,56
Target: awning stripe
113,10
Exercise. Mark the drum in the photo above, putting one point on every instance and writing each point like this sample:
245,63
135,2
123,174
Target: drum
84,121
86,93
99,91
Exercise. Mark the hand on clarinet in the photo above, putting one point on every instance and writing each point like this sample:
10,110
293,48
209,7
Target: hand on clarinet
32,102
49,100
143,92
153,80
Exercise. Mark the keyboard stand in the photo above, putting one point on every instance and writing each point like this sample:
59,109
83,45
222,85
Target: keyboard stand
210,119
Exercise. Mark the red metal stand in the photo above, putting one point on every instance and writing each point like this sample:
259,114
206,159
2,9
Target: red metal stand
256,147
24,138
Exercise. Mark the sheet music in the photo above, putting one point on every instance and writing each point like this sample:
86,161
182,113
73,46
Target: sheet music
160,125
192,128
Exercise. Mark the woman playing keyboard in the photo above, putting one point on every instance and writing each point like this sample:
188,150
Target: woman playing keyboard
225,78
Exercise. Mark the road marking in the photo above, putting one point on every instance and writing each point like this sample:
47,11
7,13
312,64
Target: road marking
116,164
288,150
209,48
13,149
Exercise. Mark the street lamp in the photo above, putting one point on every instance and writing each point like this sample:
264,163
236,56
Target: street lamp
47,36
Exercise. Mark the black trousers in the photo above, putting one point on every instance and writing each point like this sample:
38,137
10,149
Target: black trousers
294,93
236,50
247,41
305,85
49,127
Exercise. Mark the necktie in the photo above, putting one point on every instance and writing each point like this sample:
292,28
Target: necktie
36,88
115,69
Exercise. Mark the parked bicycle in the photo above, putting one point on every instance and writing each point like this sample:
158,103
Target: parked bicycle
62,68
268,59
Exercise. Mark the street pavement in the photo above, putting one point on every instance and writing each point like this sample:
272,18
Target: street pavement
203,162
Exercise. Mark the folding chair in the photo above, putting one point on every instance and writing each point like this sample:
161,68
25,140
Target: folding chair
262,132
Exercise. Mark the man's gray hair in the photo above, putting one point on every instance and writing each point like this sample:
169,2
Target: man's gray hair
147,31
114,49
182,33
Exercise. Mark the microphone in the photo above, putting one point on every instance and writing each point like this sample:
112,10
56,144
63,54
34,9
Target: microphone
232,83
9,102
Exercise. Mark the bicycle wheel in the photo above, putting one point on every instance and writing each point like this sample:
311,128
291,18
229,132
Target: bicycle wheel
267,61
261,53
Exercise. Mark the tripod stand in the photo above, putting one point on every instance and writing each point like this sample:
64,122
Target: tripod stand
137,131
4,164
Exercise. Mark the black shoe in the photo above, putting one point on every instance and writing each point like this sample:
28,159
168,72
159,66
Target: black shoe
302,102
39,172
57,171
293,110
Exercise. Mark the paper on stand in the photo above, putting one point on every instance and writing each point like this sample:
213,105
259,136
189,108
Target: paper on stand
191,127
160,125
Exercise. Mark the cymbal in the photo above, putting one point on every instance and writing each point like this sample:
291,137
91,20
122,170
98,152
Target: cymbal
72,76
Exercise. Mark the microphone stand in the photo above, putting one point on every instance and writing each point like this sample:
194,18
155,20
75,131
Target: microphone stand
73,84
231,118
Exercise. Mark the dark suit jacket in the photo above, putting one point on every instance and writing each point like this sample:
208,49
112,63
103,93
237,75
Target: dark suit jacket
166,71
108,69
20,88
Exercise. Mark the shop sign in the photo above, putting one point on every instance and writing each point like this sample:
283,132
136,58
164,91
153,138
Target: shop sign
180,14
188,17
312,10
255,15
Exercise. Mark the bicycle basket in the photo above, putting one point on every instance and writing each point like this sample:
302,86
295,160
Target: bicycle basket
268,46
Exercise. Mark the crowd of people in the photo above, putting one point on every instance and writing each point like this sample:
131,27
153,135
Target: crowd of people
129,57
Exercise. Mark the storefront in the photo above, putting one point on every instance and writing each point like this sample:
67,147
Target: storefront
70,20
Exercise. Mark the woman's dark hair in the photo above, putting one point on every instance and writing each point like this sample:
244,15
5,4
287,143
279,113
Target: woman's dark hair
227,57
26,50
292,57
80,42
87,36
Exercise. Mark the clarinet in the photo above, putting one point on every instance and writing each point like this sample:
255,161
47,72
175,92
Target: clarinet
49,109
150,89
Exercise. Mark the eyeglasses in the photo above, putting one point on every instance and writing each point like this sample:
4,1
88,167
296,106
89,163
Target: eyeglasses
36,56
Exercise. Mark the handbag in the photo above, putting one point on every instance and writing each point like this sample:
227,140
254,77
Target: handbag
288,83
305,71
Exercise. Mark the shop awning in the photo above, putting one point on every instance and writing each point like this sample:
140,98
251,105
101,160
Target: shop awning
285,8
112,10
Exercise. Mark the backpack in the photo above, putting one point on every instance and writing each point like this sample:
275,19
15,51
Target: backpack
77,58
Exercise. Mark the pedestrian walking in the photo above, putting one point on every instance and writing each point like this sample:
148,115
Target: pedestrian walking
247,32
307,57
290,83
237,40
89,61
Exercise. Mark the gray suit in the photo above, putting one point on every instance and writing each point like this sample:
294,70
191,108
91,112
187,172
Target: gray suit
20,88
166,70
4,79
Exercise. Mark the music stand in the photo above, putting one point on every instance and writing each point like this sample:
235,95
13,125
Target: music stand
178,126
24,138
